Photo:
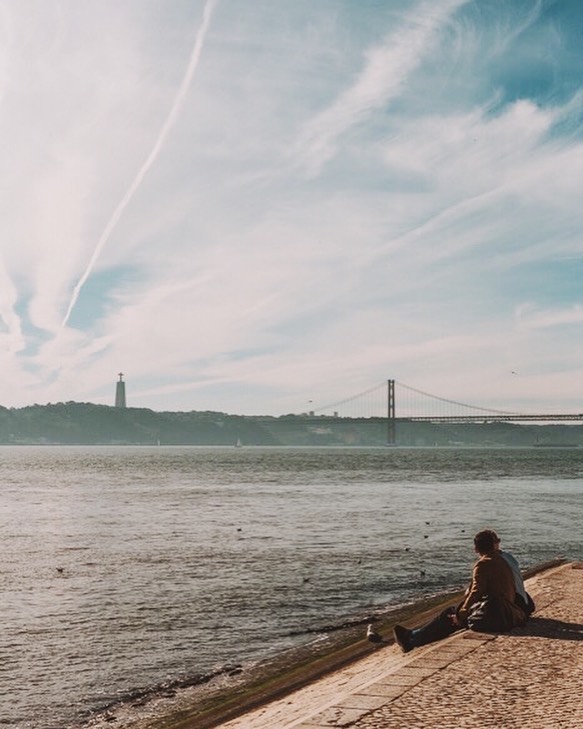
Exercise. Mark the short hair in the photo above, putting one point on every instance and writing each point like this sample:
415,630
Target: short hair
495,537
484,541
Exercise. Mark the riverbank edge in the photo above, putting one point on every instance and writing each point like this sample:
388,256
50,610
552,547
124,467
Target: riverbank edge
280,675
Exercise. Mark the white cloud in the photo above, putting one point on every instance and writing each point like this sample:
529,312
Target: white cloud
11,337
436,204
152,155
382,78
530,317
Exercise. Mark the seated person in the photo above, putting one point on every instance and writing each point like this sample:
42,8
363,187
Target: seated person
489,604
523,599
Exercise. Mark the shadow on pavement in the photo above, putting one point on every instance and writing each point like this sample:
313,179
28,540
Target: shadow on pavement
549,628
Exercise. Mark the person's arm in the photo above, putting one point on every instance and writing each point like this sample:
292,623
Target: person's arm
478,589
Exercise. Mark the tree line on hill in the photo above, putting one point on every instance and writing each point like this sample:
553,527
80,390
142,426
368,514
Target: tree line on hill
73,423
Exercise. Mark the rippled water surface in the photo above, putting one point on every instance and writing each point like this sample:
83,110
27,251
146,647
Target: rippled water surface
125,567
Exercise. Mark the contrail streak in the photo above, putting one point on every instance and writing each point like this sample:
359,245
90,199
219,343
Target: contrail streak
151,158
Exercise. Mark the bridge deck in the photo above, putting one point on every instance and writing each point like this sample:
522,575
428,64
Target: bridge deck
488,417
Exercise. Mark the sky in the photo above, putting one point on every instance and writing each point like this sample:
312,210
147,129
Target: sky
266,207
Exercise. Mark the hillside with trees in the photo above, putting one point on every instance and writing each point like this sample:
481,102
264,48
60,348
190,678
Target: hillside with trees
74,423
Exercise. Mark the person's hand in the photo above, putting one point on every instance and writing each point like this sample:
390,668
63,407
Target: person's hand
454,619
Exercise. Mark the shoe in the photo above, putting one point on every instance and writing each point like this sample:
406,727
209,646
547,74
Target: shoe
403,638
372,635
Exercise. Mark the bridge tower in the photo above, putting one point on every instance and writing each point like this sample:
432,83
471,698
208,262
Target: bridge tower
391,420
120,392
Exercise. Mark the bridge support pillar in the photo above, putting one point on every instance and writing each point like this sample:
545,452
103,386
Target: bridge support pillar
391,420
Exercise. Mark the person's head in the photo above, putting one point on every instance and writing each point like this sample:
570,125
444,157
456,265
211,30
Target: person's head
495,537
485,541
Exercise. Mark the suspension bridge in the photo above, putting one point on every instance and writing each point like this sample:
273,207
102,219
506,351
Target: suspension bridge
380,402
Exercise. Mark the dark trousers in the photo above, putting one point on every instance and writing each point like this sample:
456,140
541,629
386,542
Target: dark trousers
437,629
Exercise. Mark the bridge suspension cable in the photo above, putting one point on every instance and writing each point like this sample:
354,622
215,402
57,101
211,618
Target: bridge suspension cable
370,390
455,402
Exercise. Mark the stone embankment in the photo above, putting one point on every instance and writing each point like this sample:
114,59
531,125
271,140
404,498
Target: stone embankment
531,678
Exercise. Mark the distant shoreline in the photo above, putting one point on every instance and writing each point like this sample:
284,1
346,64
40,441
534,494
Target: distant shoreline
74,423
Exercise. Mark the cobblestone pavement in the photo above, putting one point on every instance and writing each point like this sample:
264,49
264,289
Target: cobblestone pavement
529,679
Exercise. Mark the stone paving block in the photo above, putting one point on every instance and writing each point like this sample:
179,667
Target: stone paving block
458,650
432,663
400,679
362,701
337,716
420,670
483,637
385,690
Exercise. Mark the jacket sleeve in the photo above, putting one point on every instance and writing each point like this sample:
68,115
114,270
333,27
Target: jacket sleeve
477,590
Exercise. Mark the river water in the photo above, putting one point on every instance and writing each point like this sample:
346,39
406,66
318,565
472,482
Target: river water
126,567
